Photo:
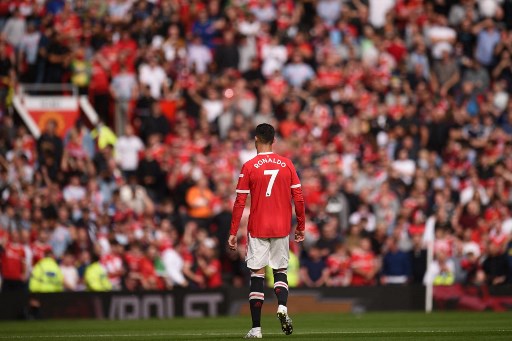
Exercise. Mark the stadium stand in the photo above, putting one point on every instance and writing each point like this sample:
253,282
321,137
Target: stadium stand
396,113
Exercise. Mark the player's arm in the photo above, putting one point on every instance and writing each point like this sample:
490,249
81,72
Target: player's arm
242,191
300,208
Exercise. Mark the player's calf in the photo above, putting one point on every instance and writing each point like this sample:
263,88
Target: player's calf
281,291
256,298
281,286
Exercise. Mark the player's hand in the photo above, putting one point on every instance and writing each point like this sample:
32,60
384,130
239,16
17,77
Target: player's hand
299,236
232,242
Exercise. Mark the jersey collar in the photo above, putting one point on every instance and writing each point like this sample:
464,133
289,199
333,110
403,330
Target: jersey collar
266,153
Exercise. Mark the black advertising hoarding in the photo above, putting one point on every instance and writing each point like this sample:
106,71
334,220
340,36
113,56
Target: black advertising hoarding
118,305
233,301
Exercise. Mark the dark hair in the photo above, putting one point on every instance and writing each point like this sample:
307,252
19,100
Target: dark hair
265,133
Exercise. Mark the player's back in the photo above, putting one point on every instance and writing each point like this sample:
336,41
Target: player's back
269,178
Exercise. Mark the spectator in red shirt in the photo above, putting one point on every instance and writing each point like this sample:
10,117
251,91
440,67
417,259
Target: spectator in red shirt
13,264
363,264
40,246
338,265
208,264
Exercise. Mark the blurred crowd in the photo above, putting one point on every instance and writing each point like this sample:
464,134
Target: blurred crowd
396,113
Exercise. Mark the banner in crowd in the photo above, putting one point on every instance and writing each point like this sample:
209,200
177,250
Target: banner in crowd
63,110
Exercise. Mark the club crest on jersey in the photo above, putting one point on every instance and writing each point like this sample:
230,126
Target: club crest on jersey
269,160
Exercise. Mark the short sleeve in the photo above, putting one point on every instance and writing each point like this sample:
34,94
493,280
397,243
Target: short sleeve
295,181
243,181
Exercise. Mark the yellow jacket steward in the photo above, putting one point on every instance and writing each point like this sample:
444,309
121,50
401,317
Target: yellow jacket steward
96,278
104,136
46,277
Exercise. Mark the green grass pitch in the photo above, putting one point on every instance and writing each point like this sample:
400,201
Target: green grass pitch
369,326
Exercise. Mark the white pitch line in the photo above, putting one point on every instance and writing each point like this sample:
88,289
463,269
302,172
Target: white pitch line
235,334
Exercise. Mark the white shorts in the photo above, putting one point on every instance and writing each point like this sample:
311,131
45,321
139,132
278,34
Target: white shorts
268,251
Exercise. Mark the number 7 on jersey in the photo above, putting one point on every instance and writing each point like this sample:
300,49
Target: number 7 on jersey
273,175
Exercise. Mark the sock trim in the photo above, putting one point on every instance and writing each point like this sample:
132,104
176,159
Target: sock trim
280,284
258,275
257,296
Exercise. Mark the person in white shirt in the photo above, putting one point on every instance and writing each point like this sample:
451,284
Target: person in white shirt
74,191
29,47
378,11
153,75
14,29
329,10
69,272
127,150
212,105
274,56
441,37
297,72
199,55
249,26
174,266
405,167
265,11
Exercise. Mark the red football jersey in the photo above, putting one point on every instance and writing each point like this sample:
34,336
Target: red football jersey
363,261
13,262
39,250
114,266
269,178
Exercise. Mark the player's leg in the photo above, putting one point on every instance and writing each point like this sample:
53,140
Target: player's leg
281,286
256,299
279,255
257,259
